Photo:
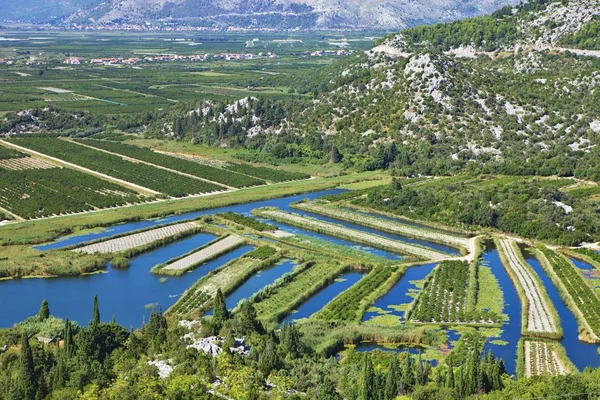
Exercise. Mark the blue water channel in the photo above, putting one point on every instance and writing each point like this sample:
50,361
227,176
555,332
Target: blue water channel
122,293
440,247
282,203
580,353
399,294
319,300
257,282
511,329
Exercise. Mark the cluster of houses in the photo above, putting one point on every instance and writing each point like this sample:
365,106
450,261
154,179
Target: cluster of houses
323,53
168,58
7,62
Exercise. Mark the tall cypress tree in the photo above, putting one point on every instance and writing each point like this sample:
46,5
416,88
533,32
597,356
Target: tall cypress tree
68,339
27,381
96,313
44,312
391,380
368,379
221,314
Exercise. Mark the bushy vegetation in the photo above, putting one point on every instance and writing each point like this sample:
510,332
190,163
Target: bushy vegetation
262,253
178,164
137,173
268,174
247,221
6,153
444,297
351,304
582,295
42,192
527,207
588,37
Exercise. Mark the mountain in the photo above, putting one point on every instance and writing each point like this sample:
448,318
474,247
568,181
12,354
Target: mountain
515,92
251,14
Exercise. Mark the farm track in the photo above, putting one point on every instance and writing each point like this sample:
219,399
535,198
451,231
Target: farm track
542,359
136,240
140,189
383,224
211,251
135,160
540,317
352,234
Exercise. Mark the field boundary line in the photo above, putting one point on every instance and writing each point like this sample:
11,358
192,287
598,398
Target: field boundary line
135,160
12,214
140,189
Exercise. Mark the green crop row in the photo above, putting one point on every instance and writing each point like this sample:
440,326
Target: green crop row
137,173
347,306
268,174
42,192
6,153
247,221
212,174
444,297
581,294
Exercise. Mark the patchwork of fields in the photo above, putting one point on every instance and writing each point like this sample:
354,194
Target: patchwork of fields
44,177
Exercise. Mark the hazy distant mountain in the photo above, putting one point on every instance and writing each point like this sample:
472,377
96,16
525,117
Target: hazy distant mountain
281,14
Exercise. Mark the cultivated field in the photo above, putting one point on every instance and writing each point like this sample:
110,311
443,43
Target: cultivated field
541,358
36,193
351,234
445,297
24,163
198,257
142,175
540,317
136,240
573,288
382,224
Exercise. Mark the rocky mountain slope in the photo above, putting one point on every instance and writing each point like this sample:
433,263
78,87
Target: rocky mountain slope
256,14
517,92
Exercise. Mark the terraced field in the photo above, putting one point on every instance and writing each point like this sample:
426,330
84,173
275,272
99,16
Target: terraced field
382,224
136,240
541,358
540,312
351,234
207,253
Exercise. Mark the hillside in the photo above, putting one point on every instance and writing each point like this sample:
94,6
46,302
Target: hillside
423,106
252,14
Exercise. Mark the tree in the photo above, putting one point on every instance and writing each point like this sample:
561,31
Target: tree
221,314
368,380
96,312
27,384
247,322
44,312
391,380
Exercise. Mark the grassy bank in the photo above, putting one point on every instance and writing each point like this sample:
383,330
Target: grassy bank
43,230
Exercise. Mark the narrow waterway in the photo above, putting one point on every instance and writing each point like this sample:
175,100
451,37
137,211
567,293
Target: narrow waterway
399,294
580,353
324,296
257,282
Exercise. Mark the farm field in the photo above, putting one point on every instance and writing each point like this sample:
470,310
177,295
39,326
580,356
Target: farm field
444,298
541,358
203,171
138,240
580,297
31,188
351,234
195,259
540,317
275,302
155,179
227,278
382,224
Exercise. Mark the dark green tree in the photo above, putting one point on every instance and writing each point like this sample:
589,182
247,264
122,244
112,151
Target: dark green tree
96,312
367,391
44,312
221,314
27,383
